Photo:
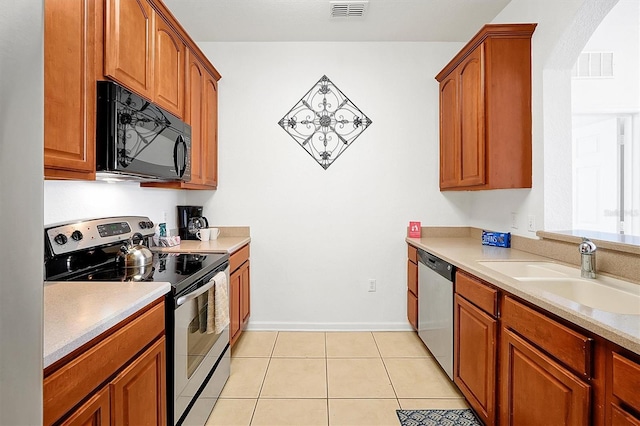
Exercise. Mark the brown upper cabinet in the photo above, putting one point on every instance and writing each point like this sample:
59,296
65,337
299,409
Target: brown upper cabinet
168,69
69,89
144,53
485,111
128,44
201,112
139,44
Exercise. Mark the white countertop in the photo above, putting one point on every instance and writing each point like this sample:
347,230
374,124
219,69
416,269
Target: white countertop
466,253
76,312
221,245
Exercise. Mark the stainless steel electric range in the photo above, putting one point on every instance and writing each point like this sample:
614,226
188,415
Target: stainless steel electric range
198,361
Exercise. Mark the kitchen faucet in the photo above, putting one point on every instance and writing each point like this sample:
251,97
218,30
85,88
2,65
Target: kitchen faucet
587,258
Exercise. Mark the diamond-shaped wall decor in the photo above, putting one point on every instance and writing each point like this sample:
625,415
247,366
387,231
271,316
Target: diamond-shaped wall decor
325,122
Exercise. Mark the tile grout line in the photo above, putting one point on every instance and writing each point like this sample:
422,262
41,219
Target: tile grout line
384,364
273,348
326,375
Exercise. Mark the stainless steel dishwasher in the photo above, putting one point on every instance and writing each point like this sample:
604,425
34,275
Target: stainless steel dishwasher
435,308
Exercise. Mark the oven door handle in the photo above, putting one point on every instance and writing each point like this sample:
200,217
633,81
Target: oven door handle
195,293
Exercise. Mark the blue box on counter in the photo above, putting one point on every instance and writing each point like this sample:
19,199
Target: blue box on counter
497,239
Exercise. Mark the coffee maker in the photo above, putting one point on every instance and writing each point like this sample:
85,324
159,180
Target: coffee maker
190,220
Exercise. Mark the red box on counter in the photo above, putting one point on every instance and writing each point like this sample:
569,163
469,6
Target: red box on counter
414,229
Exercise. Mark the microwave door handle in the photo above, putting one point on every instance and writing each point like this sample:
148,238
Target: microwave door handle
180,169
195,293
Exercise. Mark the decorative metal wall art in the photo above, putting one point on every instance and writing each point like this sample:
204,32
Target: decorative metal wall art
325,122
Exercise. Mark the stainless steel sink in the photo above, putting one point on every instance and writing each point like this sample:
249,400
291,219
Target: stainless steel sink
603,293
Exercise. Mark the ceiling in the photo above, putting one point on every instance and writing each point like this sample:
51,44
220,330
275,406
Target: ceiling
309,20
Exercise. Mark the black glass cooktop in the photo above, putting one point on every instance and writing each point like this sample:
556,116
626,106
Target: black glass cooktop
166,267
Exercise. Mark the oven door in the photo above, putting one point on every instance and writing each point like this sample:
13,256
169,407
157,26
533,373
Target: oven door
196,349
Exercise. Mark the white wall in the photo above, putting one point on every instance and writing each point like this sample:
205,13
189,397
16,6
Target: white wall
68,200
617,33
21,163
576,30
319,235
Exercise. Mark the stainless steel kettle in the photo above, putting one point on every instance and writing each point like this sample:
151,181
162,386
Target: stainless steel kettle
133,255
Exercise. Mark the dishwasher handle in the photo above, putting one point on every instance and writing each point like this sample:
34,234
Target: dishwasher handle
436,264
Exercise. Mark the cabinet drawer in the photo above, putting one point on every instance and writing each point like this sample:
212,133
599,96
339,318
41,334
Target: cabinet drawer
76,379
566,345
413,254
238,257
484,297
626,380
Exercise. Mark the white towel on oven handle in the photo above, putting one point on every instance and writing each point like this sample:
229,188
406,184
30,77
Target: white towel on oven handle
218,312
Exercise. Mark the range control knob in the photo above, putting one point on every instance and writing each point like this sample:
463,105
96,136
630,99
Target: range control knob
142,225
149,224
76,235
60,239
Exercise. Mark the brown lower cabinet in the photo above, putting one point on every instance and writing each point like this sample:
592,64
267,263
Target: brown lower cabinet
537,390
240,292
623,388
119,378
475,345
475,357
95,412
517,364
412,287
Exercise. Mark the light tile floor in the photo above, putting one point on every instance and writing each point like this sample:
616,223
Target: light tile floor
330,379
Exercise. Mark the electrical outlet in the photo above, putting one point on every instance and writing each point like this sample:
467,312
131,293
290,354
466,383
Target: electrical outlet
514,220
372,285
531,223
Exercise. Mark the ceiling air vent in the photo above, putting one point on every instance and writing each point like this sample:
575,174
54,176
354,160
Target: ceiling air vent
348,9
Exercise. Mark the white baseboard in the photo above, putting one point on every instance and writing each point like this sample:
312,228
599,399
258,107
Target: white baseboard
327,326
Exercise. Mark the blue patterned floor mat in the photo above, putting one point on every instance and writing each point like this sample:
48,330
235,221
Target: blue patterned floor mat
437,418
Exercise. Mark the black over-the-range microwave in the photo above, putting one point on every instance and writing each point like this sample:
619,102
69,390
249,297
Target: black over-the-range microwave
138,140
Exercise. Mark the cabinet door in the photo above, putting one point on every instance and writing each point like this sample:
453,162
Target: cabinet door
412,309
168,70
69,89
128,42
535,390
449,132
234,306
471,157
194,110
620,417
245,293
138,393
210,132
94,412
623,394
475,357
412,291
412,277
